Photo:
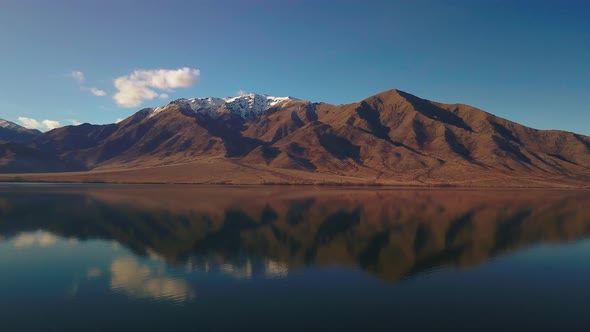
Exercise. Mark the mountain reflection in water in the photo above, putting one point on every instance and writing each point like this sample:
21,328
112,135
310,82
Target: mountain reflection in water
196,258
269,231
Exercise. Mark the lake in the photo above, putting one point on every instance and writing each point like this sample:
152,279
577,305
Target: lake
198,258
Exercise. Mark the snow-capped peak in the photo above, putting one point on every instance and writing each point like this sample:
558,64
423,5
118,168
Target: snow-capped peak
245,106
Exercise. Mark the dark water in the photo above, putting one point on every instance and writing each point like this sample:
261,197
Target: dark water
164,258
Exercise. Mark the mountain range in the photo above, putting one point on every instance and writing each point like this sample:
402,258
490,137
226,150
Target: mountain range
389,138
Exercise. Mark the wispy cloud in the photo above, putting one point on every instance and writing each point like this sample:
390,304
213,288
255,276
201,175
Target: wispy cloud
75,122
40,125
80,78
142,85
98,92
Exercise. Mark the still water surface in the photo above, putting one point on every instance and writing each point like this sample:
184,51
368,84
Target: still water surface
184,258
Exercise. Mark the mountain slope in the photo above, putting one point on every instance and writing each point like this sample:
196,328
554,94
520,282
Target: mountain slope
11,132
18,158
178,132
392,137
395,132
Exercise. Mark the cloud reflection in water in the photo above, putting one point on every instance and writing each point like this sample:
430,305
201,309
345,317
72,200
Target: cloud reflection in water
30,239
144,282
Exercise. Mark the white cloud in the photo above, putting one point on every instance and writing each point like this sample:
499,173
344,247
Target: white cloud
141,85
40,125
241,92
119,120
51,124
75,122
30,123
98,92
81,79
78,76
163,96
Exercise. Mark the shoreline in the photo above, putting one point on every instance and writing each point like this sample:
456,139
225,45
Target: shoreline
32,182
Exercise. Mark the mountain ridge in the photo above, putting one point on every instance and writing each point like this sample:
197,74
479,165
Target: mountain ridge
391,137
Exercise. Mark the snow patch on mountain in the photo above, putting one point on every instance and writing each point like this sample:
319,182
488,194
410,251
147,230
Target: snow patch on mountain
246,106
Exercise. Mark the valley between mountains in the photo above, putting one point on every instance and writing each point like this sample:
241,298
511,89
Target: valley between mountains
392,138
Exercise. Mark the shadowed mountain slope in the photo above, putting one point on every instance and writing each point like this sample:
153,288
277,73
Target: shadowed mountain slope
18,158
11,132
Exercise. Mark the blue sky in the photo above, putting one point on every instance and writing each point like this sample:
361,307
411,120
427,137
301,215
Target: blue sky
528,61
